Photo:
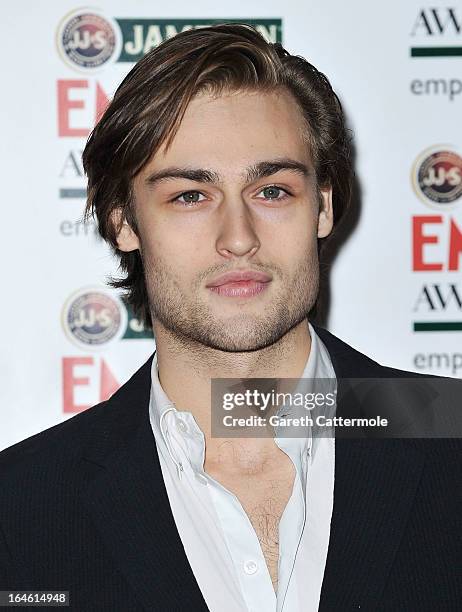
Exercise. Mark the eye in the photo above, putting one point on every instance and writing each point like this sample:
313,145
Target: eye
273,193
191,198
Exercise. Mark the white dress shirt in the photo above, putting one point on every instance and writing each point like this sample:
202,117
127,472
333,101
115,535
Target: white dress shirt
220,542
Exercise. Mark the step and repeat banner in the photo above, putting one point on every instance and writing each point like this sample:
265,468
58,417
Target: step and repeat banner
68,341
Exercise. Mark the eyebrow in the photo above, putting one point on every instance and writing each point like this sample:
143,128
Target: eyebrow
252,173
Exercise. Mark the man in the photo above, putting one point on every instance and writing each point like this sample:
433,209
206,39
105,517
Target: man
217,173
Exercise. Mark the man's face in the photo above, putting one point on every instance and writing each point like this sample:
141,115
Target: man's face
240,196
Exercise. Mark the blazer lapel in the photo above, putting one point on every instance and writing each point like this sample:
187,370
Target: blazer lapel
129,505
375,484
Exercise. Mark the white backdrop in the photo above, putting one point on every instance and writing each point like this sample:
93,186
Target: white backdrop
398,70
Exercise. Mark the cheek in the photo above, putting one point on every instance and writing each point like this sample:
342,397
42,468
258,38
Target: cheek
292,242
169,253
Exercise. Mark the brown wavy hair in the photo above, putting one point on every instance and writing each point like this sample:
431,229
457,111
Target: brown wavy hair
149,105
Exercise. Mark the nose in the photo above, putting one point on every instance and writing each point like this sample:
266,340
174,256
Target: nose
237,235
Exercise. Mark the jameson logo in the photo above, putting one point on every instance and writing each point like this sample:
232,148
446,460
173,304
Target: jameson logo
142,35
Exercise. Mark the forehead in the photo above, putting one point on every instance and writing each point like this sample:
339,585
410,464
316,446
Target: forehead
231,131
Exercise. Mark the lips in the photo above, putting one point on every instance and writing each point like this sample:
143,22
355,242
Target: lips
240,283
239,277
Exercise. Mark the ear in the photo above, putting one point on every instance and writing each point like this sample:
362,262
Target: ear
126,238
326,213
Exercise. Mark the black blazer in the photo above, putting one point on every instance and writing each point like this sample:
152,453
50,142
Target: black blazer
83,508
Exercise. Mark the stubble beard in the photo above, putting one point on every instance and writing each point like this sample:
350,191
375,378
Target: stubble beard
192,321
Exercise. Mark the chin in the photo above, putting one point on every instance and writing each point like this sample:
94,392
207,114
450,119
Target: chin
240,336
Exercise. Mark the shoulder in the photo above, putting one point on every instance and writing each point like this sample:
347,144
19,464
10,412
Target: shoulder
349,362
62,444
66,437
422,409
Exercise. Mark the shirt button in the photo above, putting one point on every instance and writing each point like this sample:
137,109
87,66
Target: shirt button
201,478
250,567
181,426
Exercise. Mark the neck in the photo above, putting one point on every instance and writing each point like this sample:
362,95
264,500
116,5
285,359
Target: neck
186,369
